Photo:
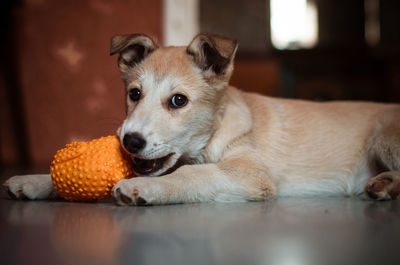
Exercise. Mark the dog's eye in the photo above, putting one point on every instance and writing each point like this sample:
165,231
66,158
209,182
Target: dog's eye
134,94
178,101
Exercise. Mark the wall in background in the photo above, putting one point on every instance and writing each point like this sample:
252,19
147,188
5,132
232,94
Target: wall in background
70,86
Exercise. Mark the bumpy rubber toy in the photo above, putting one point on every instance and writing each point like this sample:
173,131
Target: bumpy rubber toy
87,171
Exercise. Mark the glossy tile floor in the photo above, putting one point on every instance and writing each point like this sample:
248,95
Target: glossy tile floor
283,232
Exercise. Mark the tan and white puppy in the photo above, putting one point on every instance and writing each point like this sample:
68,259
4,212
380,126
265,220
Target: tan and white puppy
194,138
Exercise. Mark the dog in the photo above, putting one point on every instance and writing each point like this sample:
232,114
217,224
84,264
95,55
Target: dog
193,138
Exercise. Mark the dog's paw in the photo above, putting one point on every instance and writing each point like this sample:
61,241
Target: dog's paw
136,191
29,187
385,186
14,189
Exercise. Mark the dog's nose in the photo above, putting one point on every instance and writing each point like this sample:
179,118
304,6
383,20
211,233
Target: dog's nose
133,142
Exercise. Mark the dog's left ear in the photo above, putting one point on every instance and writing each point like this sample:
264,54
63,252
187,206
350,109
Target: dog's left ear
213,52
133,48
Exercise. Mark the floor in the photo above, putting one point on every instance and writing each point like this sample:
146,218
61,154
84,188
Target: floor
288,231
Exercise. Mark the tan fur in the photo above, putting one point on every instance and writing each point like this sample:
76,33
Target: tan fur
228,145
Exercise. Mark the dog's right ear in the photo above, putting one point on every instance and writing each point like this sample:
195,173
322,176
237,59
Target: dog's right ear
132,48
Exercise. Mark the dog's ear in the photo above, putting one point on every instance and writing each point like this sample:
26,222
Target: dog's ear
133,48
213,52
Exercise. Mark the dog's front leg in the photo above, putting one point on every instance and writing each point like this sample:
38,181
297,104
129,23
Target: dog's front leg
233,180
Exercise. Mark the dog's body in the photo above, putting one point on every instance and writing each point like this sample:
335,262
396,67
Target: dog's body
211,142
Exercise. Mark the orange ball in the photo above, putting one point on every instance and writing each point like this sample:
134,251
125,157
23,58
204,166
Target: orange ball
87,171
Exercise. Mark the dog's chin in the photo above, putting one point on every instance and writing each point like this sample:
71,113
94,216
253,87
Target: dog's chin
153,167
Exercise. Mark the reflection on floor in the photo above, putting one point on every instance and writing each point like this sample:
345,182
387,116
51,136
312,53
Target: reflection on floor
287,231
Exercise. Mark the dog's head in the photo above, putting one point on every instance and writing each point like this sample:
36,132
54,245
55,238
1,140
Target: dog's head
173,97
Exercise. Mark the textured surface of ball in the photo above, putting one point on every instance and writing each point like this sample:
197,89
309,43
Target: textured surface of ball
87,171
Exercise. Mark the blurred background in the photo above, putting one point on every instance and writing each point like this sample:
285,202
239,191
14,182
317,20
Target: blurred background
58,83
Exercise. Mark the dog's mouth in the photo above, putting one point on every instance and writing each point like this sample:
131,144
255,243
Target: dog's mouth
147,166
